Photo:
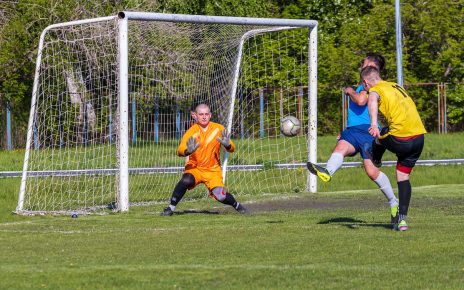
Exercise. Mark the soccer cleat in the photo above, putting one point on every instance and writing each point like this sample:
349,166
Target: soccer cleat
402,226
394,215
241,209
320,171
167,212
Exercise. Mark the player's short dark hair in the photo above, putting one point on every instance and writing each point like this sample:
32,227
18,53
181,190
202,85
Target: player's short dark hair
368,71
378,59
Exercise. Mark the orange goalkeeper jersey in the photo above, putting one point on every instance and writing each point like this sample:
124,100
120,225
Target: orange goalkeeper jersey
207,156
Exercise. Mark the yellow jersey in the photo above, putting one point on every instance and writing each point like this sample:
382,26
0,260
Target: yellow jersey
207,156
398,109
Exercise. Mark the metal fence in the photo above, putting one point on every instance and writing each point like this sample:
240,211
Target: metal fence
441,106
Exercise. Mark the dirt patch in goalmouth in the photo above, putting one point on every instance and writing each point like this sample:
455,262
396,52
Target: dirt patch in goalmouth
302,203
364,203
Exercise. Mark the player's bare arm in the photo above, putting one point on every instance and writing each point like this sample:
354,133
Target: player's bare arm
373,108
359,99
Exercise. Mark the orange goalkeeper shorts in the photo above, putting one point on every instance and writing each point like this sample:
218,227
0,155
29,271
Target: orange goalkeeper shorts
211,178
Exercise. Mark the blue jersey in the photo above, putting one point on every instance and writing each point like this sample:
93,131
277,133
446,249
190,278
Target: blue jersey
358,115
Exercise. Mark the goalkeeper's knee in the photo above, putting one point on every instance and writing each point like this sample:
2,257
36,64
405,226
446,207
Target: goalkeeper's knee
224,197
219,193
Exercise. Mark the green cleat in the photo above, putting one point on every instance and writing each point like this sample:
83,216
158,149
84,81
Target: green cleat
394,215
402,226
320,171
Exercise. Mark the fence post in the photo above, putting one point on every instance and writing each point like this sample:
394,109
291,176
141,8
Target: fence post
300,107
110,119
60,120
241,98
261,112
36,133
441,109
134,120
445,110
281,106
178,127
85,125
156,121
8,126
345,103
438,108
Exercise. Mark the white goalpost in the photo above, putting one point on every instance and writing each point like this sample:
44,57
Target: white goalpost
113,95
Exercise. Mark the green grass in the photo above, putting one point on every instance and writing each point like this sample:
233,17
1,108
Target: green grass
327,248
338,238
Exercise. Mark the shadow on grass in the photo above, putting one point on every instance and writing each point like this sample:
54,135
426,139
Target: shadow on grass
194,211
275,222
352,223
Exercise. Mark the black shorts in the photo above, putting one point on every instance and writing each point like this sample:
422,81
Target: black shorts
407,151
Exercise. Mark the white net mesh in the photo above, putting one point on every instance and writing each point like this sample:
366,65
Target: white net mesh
172,67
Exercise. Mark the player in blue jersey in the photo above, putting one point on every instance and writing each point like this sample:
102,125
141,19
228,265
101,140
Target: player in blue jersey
356,138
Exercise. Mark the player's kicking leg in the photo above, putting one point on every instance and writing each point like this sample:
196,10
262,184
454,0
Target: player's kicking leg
342,149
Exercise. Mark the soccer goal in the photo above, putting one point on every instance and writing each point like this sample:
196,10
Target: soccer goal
112,97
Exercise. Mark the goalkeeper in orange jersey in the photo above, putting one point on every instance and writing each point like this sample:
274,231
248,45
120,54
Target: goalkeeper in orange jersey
201,144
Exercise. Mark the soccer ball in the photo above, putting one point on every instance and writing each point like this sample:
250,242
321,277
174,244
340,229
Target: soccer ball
290,126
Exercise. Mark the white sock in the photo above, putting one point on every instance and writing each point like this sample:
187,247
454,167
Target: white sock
385,186
173,207
334,163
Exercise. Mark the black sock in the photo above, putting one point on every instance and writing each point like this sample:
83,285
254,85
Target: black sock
178,193
187,181
404,194
230,200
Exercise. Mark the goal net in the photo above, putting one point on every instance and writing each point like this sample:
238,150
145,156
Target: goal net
113,96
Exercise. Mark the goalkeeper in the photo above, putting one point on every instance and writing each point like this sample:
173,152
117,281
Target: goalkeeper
356,138
201,144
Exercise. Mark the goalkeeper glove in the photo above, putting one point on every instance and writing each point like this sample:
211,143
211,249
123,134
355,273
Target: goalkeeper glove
225,139
192,146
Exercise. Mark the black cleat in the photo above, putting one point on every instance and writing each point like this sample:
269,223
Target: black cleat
167,212
241,209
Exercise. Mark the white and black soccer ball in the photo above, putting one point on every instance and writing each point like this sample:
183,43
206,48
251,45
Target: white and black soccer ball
290,126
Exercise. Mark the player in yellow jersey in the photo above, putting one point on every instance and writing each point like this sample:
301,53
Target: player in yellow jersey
356,139
404,135
201,144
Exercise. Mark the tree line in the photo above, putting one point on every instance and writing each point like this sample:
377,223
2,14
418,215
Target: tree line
433,50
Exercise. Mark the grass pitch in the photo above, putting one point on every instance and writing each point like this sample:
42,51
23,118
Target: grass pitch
332,240
339,238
